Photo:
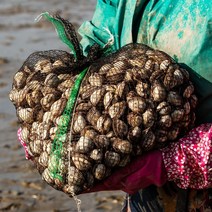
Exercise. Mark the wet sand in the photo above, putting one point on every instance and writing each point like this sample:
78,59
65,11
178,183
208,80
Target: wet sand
21,187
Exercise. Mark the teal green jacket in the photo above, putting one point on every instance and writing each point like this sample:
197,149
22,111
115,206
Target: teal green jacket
181,28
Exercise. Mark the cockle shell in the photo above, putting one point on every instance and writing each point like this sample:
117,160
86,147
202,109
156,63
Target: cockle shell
96,154
45,66
134,119
173,133
174,98
99,171
163,108
25,115
120,128
148,118
122,89
33,98
84,145
48,117
93,115
63,86
112,158
122,146
193,101
158,92
134,134
102,141
86,91
105,68
72,190
96,96
81,161
24,134
47,177
19,80
43,159
95,79
177,115
17,97
83,107
109,96
142,89
79,123
36,147
115,74
165,121
103,124
137,104
89,132
58,107
187,108
48,100
161,136
75,176
148,140
117,109
51,80
188,91
164,65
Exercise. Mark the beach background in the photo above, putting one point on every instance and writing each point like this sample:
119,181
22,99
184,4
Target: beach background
21,187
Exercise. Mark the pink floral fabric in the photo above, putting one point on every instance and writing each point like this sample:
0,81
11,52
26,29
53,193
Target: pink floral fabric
188,162
28,155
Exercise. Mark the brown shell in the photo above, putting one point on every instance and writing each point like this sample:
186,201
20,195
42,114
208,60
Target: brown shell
104,124
96,154
134,134
112,158
122,146
134,119
122,89
19,80
173,133
84,145
93,115
158,92
165,121
102,141
117,109
25,115
99,171
81,161
189,90
163,108
79,123
115,74
177,115
148,118
120,128
51,80
148,140
44,66
108,98
137,104
95,79
142,89
96,96
174,98
75,176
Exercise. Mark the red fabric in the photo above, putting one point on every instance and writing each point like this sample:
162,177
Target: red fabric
145,170
188,162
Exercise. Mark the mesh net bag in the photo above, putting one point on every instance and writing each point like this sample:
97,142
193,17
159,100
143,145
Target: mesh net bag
82,117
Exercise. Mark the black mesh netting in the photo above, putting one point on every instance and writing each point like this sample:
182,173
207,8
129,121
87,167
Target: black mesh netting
129,102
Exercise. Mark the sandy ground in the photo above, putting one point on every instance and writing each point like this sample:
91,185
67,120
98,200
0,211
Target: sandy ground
21,187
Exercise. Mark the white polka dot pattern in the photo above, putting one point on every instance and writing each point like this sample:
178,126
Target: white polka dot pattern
189,161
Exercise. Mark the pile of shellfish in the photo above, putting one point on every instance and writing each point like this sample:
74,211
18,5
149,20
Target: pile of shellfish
130,102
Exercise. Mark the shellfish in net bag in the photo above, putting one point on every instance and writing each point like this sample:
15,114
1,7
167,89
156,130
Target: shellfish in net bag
83,117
